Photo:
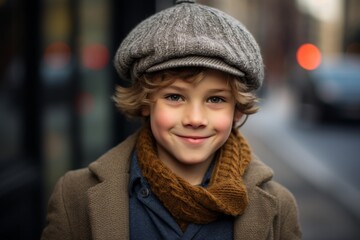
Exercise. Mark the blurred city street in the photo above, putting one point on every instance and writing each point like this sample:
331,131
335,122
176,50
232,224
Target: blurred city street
317,163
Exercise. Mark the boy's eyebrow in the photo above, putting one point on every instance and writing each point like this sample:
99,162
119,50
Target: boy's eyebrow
180,88
175,87
216,90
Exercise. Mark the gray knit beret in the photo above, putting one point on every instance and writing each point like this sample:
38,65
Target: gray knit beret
191,35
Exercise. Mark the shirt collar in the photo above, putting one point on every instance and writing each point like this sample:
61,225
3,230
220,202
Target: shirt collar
207,177
135,173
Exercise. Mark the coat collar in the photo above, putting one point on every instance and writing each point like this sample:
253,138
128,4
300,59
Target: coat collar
109,200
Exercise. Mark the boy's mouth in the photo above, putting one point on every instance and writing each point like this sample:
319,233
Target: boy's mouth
193,139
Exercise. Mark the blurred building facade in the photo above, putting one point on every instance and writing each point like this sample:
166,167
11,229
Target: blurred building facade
57,78
282,26
56,112
352,27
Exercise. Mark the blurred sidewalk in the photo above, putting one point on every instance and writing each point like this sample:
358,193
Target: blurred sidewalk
274,124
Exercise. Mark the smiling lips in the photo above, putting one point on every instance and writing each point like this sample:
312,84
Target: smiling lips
193,139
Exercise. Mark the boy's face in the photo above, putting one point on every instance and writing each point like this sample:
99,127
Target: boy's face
191,121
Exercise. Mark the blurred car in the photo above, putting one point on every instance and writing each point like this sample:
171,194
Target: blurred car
331,91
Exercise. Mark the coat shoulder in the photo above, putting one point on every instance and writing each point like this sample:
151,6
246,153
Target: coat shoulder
68,208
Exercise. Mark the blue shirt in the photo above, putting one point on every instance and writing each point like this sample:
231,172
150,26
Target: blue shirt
149,219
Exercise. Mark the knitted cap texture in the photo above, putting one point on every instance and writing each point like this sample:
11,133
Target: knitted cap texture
191,35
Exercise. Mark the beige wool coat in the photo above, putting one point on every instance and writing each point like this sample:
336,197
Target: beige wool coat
93,203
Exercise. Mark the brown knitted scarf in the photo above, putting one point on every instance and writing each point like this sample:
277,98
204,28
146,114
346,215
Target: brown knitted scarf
226,193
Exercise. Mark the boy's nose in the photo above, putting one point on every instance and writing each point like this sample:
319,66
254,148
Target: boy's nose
195,116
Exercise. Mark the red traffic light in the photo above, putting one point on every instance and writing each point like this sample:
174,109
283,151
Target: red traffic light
308,56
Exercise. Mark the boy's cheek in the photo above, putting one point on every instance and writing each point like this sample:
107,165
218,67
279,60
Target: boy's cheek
163,119
223,123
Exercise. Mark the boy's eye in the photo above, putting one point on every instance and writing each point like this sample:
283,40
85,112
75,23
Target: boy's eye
216,100
174,97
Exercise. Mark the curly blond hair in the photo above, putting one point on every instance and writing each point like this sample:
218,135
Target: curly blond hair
131,100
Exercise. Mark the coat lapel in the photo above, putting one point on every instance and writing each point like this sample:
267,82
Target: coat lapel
108,200
108,209
258,219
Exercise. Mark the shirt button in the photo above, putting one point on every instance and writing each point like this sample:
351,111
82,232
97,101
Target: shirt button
144,192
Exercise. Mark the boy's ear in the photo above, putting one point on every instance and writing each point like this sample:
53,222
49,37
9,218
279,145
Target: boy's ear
145,111
237,115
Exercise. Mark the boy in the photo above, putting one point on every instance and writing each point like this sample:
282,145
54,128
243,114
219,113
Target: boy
188,173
